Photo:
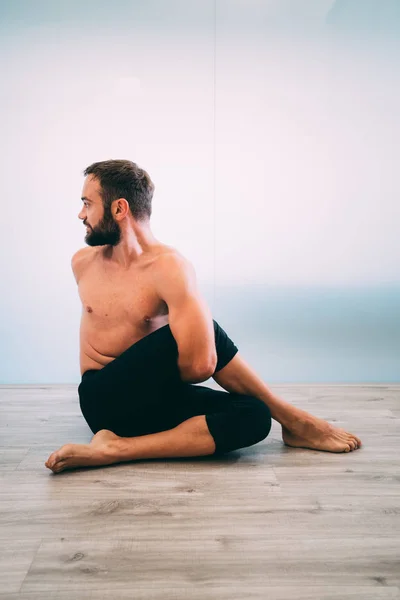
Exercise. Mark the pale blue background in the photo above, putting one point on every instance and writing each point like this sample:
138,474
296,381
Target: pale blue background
271,130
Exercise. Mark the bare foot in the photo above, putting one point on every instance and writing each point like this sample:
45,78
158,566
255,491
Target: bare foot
102,450
317,434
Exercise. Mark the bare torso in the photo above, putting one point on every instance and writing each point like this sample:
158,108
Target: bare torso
119,307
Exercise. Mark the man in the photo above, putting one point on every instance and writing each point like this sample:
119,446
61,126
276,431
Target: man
147,336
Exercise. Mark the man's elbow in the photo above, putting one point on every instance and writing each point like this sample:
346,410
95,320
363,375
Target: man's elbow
201,372
207,369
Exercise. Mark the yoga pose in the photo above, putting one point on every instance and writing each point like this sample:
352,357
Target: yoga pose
147,337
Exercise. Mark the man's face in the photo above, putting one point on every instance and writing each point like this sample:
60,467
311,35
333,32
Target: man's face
102,229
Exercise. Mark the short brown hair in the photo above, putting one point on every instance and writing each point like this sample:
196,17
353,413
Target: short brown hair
124,179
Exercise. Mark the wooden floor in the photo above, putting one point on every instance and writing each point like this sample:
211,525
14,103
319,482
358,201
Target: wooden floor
266,522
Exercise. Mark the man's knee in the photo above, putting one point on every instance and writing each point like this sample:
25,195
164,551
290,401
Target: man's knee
260,420
245,426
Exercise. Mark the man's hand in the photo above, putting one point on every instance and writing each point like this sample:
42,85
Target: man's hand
190,318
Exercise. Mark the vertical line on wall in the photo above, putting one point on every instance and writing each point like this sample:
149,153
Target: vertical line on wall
214,153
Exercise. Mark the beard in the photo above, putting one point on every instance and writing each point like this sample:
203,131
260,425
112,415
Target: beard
107,232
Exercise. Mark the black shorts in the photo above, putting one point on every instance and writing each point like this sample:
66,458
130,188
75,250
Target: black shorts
141,392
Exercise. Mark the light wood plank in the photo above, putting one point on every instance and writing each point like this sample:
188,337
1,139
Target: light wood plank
237,592
16,556
265,521
129,563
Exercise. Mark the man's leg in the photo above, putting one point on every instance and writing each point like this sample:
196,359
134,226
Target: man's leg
299,428
154,360
207,421
238,376
190,438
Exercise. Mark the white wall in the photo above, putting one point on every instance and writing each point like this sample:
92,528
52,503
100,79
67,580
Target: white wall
270,129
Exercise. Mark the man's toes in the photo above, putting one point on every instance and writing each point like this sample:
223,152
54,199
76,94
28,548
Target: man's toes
50,461
354,438
53,459
58,466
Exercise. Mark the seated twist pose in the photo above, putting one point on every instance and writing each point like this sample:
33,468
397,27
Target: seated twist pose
147,337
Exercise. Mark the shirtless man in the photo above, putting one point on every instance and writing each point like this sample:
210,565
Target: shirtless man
147,336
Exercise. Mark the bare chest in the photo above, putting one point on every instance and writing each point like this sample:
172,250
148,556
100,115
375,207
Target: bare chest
131,299
118,309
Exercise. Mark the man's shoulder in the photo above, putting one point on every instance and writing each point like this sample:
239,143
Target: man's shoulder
169,255
81,258
172,267
84,253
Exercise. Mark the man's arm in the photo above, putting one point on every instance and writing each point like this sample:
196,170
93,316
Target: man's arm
190,318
